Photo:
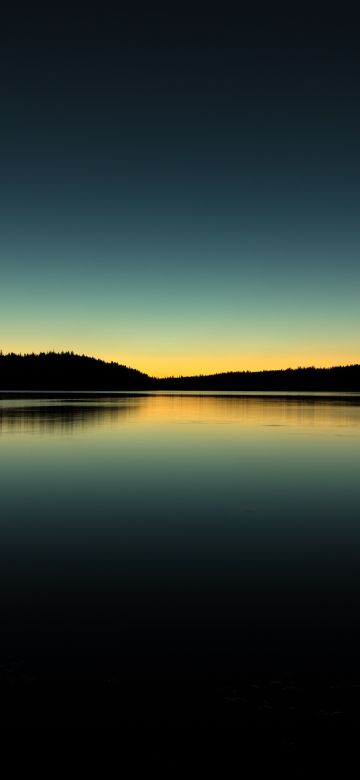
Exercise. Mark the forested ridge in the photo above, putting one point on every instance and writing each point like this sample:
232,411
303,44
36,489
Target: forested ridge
68,371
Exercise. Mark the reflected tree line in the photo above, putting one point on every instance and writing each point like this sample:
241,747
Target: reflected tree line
68,371
55,418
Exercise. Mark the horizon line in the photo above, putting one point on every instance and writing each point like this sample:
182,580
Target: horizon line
71,353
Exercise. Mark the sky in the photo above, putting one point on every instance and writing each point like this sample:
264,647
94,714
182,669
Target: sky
180,190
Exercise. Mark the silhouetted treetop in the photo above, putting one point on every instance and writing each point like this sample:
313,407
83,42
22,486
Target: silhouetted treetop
68,371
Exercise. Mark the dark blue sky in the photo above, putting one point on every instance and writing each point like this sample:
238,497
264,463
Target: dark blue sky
180,191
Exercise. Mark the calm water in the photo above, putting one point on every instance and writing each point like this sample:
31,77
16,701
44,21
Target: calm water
179,536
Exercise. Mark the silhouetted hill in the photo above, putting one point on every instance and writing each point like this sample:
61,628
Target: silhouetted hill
66,371
331,379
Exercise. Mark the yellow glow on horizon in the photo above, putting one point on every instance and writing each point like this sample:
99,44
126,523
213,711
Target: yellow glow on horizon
160,364
193,365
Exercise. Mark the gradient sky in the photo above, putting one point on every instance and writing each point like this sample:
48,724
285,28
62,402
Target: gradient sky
181,192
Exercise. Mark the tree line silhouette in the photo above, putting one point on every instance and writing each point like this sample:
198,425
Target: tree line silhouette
68,371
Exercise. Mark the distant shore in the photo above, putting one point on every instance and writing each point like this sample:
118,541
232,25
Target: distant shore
67,371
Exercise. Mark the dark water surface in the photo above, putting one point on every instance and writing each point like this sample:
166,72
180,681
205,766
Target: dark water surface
180,537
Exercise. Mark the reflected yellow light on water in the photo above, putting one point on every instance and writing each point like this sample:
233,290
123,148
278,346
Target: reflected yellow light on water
248,410
167,409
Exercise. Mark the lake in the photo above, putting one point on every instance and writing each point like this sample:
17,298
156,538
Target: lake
176,537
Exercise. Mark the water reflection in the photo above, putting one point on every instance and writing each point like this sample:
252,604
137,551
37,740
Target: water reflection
63,416
174,535
252,409
74,412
